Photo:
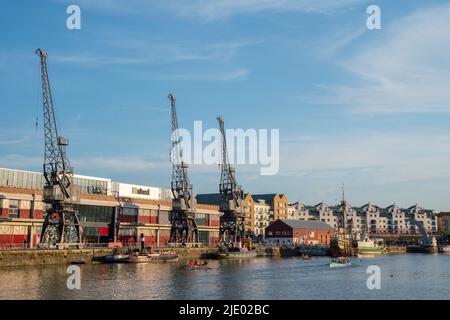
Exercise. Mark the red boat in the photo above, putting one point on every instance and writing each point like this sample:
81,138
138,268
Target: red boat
193,264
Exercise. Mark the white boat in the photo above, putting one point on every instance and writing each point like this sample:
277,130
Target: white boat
166,256
340,262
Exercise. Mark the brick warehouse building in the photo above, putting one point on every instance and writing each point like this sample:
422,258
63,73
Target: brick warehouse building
296,232
108,211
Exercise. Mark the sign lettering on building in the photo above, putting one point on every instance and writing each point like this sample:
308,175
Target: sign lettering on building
141,191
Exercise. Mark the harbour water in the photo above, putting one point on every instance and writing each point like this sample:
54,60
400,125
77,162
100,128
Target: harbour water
409,276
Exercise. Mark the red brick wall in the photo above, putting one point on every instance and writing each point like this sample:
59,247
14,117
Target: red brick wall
214,220
144,219
148,219
38,214
164,237
213,241
24,214
13,240
320,236
277,228
127,218
150,240
4,212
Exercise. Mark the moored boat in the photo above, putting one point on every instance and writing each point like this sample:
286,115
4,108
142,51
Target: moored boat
369,246
343,245
444,249
137,258
237,254
115,258
167,256
340,262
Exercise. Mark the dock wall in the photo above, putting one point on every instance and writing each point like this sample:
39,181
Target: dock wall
34,257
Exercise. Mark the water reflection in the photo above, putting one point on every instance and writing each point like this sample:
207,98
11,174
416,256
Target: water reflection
403,277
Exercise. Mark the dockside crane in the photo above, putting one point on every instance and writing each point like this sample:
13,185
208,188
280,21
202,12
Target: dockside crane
232,227
61,226
184,229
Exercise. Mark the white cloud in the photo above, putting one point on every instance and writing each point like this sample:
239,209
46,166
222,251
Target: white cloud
402,167
221,9
209,10
14,141
406,68
212,76
382,158
151,51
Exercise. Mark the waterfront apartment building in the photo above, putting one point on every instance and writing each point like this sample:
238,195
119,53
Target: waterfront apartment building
370,218
278,203
260,210
298,211
263,213
109,211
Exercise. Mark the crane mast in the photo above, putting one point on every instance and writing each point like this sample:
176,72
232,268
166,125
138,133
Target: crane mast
232,226
184,229
61,224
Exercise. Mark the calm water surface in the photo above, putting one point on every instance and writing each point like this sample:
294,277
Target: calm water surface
403,277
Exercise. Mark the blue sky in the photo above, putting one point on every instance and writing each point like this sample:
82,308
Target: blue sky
368,108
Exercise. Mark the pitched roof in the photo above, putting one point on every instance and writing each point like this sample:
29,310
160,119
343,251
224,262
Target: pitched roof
307,224
209,198
267,196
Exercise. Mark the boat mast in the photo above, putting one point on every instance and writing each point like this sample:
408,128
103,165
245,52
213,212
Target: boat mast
344,223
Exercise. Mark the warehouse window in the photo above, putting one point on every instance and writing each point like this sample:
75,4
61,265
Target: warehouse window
129,211
13,208
88,213
200,219
203,237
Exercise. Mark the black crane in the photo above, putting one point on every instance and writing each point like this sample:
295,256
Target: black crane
232,226
61,225
184,229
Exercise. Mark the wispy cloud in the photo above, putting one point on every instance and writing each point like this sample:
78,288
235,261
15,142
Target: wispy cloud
339,40
383,158
222,9
212,76
407,69
14,141
207,10
140,52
